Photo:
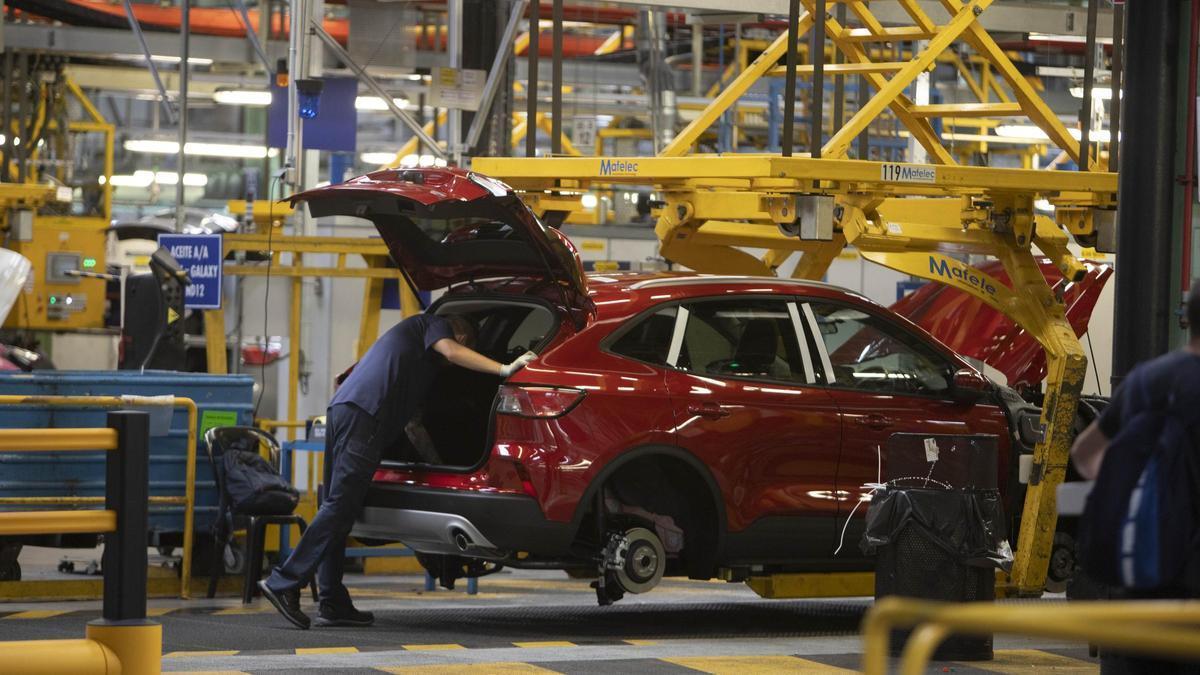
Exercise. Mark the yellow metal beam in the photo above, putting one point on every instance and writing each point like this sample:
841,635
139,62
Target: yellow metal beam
901,34
215,352
14,523
841,69
57,440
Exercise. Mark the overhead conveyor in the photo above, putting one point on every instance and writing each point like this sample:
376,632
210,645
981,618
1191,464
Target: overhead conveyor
910,217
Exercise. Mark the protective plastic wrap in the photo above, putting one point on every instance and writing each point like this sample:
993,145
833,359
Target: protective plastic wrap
967,525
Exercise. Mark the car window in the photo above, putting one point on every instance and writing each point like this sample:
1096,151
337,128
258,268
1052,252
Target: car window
742,338
530,332
866,352
649,339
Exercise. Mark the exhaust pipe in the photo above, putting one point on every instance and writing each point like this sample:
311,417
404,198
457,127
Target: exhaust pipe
462,541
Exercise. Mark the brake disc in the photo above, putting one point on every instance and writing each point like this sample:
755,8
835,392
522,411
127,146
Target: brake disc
640,561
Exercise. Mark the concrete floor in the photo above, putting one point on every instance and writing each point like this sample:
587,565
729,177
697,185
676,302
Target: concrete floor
526,622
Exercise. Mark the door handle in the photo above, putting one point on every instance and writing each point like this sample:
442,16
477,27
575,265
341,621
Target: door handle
710,411
876,421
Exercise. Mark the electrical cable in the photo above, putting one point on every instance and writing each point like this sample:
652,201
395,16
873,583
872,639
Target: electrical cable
267,292
877,485
1095,366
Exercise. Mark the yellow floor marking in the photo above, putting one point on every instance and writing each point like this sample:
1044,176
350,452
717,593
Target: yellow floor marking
753,665
38,614
490,668
179,655
546,643
252,609
212,672
432,648
300,651
430,595
640,643
160,611
1033,660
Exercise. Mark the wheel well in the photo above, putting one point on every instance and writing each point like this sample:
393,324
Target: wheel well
667,485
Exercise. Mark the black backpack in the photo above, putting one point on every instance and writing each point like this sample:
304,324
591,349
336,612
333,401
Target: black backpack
254,487
1139,528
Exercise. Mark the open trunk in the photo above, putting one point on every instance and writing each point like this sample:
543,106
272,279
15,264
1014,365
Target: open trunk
458,412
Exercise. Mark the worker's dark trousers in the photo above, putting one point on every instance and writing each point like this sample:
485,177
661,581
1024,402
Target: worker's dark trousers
351,457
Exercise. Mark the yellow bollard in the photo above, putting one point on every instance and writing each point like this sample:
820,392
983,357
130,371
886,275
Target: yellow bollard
136,643
53,657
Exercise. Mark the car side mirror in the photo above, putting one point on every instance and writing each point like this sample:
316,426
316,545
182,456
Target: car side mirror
969,385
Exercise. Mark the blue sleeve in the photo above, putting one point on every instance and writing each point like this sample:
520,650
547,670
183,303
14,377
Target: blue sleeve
437,329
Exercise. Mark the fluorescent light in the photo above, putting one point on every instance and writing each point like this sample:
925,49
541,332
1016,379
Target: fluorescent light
1104,93
192,60
421,161
374,103
143,178
203,149
242,97
379,158
1043,205
589,200
1035,133
415,77
1073,39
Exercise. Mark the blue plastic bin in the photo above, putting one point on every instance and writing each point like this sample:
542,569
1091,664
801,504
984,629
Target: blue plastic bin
220,400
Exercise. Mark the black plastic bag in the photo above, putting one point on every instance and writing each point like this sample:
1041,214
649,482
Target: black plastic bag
968,525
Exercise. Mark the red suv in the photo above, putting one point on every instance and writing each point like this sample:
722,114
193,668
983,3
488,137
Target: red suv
676,424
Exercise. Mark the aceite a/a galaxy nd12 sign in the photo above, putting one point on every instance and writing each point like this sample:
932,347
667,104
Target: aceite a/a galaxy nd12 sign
201,256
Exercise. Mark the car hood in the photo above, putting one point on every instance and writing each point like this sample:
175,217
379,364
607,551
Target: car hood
972,328
488,231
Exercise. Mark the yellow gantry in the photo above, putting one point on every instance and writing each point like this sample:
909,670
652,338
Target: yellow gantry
911,217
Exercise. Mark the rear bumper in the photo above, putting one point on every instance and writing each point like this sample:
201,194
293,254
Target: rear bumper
460,522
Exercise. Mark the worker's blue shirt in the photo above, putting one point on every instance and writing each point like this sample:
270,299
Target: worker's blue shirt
393,379
1150,385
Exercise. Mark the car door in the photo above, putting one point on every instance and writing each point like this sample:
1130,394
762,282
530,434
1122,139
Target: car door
746,403
885,380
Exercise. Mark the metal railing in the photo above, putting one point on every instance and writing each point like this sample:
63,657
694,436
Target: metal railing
1154,628
123,640
36,440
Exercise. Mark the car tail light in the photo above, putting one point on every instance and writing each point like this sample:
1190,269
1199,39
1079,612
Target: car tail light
541,402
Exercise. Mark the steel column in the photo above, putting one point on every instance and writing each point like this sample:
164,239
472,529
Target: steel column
127,483
1118,58
816,54
531,83
1089,80
181,164
1146,188
789,87
556,80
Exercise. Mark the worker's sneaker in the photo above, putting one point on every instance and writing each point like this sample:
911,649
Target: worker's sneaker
343,616
288,604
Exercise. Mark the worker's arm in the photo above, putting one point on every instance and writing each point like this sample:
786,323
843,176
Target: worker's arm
1088,451
472,360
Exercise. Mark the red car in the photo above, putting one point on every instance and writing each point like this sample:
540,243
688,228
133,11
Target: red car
675,424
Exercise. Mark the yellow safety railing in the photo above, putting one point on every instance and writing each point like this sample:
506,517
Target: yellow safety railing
123,640
1161,628
39,440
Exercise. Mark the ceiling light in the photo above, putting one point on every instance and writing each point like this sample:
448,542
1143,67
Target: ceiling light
421,161
143,178
1104,93
1033,132
415,77
379,158
232,150
589,200
1073,39
374,103
192,60
140,179
242,97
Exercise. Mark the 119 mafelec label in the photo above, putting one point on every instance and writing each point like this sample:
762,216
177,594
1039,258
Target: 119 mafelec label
907,173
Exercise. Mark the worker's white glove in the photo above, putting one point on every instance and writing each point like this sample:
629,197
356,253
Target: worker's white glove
510,368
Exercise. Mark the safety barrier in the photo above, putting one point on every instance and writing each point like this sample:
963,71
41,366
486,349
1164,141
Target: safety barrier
123,640
1146,627
35,440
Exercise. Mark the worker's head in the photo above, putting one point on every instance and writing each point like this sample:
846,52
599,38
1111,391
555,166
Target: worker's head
464,330
1193,310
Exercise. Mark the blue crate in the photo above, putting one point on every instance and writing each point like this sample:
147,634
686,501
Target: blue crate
71,474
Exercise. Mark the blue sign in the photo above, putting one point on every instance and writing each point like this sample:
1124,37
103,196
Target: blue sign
201,256
334,128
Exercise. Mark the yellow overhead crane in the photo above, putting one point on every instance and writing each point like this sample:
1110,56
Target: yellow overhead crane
909,217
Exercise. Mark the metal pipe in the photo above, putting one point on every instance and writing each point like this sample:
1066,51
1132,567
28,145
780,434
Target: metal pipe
497,73
454,50
185,35
531,84
252,36
22,80
1146,185
839,83
136,27
1118,67
342,55
1189,177
81,657
864,139
556,79
816,54
57,440
57,522
697,56
789,86
292,152
1089,80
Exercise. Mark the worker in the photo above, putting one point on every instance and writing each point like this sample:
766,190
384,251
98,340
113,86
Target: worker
367,414
1165,384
